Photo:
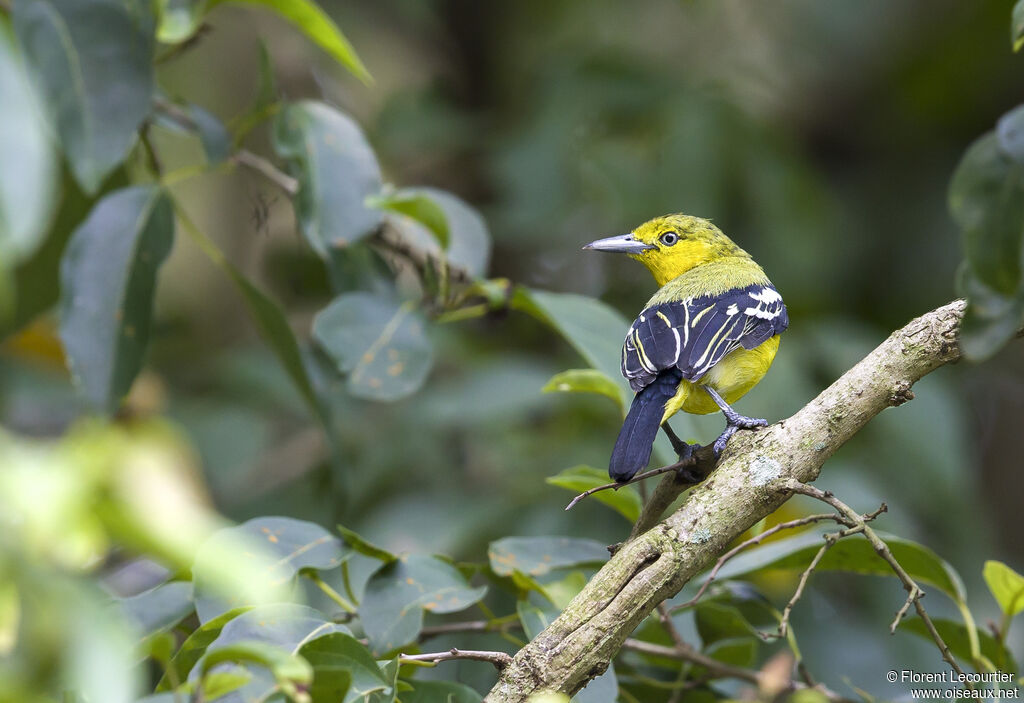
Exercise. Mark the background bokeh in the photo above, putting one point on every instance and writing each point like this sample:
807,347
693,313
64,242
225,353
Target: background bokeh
820,136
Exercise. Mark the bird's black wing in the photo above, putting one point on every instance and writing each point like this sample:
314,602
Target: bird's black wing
694,334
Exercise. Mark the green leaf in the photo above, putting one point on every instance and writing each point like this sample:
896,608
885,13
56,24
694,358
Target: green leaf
1017,26
398,593
991,319
740,651
158,608
290,544
625,501
986,199
1006,585
593,329
364,547
1010,131
336,169
417,206
954,634
285,626
585,381
440,692
849,555
28,170
218,684
108,278
195,646
37,280
536,556
344,671
533,618
468,242
94,62
717,621
289,670
379,343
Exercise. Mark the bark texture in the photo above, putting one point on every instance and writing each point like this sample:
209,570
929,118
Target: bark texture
748,484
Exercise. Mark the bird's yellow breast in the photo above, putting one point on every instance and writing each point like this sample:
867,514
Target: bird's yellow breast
732,377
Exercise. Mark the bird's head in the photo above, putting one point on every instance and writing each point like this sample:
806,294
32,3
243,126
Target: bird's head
671,245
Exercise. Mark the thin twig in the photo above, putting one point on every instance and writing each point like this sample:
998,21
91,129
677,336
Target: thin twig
471,626
242,157
687,462
915,592
499,659
756,539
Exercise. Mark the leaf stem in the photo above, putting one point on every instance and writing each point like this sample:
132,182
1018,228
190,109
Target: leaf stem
342,602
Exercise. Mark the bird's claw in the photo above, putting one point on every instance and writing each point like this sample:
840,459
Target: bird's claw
736,422
689,473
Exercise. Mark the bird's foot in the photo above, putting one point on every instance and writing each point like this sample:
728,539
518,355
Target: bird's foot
689,473
735,421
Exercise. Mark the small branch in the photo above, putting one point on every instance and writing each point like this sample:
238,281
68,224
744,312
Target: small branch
757,539
242,157
915,592
499,659
257,163
689,461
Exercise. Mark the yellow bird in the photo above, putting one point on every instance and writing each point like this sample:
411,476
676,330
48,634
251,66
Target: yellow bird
706,337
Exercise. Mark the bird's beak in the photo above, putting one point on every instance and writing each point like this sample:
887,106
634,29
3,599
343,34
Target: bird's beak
619,244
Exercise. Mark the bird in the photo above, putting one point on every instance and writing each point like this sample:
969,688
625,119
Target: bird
706,337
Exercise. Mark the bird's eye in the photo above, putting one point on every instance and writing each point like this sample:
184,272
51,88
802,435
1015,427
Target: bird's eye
669,238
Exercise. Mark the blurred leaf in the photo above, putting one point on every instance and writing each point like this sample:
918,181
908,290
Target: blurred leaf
1017,26
28,171
289,670
991,319
284,625
954,634
717,621
94,63
37,280
986,199
561,591
158,608
851,555
584,381
1006,585
537,556
625,501
336,169
288,545
195,646
603,689
738,652
590,326
467,242
441,692
271,322
533,618
416,205
181,18
108,278
397,594
344,671
1010,131
380,344
218,684
365,548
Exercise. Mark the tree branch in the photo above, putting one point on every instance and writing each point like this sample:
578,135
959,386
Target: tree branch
750,482
499,659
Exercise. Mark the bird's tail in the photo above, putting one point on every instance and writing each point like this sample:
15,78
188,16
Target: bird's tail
633,447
